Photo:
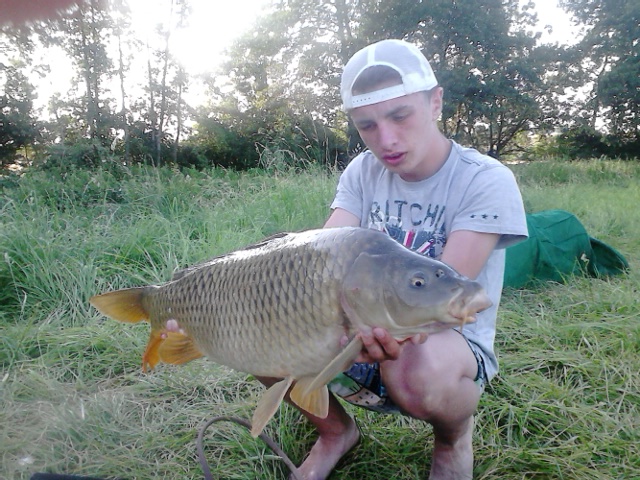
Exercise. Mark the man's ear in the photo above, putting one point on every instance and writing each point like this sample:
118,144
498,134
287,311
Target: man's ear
436,102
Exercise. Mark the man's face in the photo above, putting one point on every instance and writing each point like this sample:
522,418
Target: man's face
402,133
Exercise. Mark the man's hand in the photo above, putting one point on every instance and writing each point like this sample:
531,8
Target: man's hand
380,346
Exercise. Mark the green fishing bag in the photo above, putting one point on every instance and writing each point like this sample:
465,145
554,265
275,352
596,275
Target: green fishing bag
559,247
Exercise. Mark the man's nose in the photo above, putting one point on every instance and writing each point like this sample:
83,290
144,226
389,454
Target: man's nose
387,136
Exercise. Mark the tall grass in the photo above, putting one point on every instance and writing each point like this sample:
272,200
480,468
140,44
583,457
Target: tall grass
73,399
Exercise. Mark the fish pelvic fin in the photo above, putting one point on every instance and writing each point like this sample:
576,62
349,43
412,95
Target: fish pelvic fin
122,305
268,405
339,364
315,401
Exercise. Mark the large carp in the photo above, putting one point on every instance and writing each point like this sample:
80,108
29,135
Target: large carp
279,308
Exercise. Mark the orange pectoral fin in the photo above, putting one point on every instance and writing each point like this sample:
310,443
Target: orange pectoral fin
169,347
178,348
151,356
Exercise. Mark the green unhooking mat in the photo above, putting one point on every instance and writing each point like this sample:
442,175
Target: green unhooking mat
557,248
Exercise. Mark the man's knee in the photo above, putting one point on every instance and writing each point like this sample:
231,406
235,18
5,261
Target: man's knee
434,378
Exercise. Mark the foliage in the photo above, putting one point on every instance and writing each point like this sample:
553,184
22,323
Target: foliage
73,399
490,68
606,59
18,127
279,89
98,39
237,139
583,142
224,146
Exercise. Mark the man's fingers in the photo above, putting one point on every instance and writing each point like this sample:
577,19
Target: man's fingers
389,345
372,348
419,338
379,345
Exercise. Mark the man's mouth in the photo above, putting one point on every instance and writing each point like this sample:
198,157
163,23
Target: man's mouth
394,158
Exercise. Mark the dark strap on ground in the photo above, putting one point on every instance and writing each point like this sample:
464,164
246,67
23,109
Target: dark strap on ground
295,474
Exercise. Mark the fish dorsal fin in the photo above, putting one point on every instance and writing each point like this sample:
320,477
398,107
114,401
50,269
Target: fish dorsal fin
336,366
268,405
178,348
316,401
122,305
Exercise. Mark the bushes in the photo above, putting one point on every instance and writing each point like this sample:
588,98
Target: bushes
584,142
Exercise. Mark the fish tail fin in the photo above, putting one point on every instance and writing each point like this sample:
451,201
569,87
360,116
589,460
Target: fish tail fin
315,401
268,405
122,305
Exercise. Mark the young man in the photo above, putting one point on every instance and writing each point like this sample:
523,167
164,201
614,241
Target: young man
445,201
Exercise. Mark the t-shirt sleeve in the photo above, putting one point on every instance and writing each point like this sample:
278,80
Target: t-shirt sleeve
349,194
492,203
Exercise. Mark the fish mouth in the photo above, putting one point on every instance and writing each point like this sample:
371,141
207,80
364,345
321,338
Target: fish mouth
465,308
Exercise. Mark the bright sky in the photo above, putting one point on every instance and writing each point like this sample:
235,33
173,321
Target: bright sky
212,28
550,14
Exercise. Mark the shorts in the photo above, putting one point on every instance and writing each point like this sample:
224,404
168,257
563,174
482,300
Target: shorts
362,385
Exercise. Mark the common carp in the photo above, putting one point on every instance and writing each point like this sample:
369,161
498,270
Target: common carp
280,307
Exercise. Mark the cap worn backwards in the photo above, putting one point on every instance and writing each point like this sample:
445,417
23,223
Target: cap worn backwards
403,57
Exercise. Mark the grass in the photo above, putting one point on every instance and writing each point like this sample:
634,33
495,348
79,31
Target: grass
73,398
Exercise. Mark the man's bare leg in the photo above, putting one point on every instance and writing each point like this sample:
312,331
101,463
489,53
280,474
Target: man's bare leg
337,434
433,381
453,459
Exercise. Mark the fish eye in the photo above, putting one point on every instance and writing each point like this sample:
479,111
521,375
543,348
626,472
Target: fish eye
418,281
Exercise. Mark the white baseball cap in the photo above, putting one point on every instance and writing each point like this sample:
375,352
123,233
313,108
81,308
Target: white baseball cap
403,57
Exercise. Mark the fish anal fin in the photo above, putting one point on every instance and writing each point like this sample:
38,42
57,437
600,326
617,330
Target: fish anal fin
177,348
122,305
315,402
339,364
268,405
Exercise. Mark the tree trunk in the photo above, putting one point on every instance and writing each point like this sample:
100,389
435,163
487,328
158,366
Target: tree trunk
123,107
86,73
176,143
163,91
152,106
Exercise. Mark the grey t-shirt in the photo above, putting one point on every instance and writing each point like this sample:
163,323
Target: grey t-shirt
471,191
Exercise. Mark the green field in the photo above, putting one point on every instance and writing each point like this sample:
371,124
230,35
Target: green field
73,399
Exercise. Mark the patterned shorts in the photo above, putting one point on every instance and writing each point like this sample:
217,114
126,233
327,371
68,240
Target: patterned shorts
362,385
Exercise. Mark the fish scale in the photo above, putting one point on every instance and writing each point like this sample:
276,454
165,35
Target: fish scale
279,308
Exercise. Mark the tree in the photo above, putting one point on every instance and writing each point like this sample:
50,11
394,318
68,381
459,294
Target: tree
283,81
84,36
609,59
166,81
491,69
18,127
619,90
122,25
